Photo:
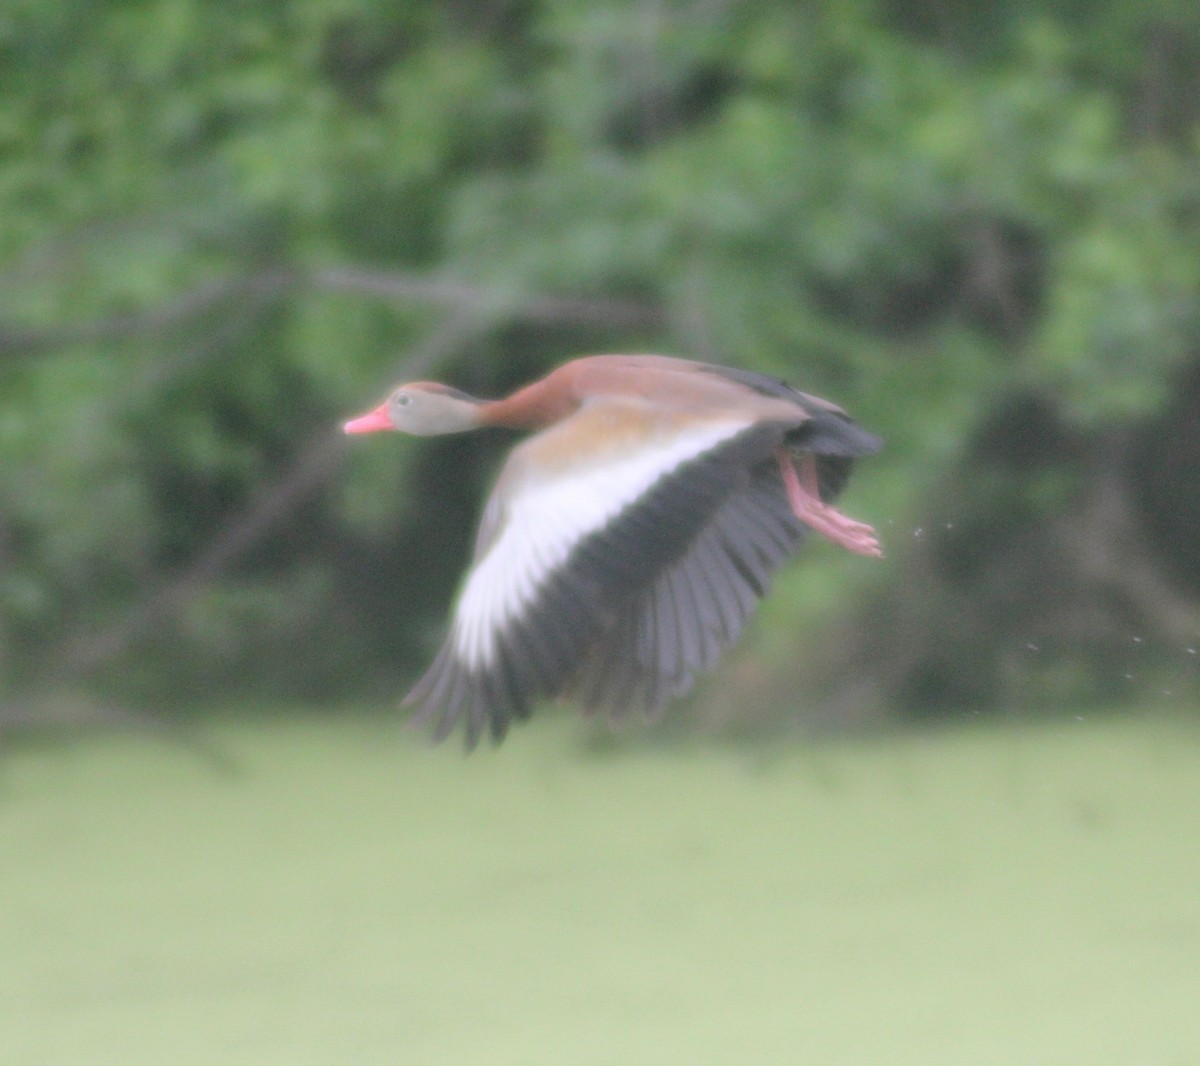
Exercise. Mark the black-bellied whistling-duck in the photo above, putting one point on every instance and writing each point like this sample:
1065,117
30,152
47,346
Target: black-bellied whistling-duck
627,541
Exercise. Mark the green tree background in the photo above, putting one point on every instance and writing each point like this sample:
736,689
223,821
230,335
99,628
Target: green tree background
227,226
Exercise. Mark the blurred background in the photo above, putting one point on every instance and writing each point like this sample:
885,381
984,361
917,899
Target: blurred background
228,226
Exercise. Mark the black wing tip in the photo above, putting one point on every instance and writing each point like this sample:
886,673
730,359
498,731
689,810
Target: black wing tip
448,695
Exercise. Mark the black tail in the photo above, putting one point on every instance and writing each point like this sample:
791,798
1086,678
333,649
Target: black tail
831,431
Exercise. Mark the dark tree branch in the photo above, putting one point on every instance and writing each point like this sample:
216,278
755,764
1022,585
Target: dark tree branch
552,310
176,313
271,505
183,309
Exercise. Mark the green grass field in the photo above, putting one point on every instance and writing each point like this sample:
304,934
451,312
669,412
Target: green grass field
348,895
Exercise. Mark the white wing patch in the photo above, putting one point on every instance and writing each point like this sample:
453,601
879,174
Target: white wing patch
547,514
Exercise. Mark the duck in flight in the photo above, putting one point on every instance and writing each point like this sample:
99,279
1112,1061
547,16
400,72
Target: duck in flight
628,539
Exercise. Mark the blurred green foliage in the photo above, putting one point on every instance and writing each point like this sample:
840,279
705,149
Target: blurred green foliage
228,225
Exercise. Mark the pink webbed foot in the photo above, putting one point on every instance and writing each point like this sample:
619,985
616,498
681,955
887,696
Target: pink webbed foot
808,506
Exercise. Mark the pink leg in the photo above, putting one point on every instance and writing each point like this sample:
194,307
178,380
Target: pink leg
808,506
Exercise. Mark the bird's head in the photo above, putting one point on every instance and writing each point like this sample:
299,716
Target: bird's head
423,408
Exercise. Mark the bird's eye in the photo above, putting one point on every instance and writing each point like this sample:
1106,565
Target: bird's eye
403,400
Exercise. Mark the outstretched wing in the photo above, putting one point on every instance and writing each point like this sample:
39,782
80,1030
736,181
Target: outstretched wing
697,607
585,516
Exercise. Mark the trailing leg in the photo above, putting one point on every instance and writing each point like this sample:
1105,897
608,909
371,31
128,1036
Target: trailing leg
800,480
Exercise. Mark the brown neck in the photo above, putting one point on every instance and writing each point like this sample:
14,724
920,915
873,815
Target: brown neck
537,405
